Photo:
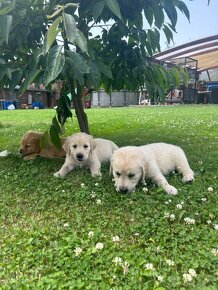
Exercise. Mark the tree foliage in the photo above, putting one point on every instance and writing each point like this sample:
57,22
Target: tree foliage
87,44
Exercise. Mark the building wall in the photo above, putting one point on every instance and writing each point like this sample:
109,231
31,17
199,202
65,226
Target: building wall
43,96
114,99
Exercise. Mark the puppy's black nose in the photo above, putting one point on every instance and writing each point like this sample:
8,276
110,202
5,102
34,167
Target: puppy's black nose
79,156
123,189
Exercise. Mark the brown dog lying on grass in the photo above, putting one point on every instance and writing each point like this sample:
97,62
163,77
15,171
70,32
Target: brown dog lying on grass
30,147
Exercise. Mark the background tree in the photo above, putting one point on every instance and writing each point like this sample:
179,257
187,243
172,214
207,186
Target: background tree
87,44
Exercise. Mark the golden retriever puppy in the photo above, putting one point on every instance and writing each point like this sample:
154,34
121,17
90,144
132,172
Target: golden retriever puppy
84,151
131,164
30,147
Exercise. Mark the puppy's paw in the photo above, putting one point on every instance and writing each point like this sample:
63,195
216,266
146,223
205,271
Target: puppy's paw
171,190
188,178
96,174
57,174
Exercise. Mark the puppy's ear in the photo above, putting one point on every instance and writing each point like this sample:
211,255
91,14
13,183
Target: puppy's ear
111,167
36,142
66,146
143,172
93,144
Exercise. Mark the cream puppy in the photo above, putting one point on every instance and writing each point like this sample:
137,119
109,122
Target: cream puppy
131,164
85,151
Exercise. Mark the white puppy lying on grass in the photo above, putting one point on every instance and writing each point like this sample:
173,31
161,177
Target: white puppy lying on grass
131,164
85,151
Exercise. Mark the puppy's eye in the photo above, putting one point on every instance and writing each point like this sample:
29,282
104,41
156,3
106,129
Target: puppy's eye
131,175
117,174
27,146
85,146
74,146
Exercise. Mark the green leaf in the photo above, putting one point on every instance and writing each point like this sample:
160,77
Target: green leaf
148,11
70,27
94,75
44,140
170,9
114,7
15,79
55,63
8,8
105,70
5,24
81,41
52,33
78,61
97,9
158,15
55,139
181,214
78,66
168,33
182,7
29,79
56,124
175,76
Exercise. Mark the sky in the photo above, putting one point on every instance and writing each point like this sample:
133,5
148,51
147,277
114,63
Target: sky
203,22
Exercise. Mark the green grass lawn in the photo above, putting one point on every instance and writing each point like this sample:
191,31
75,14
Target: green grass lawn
50,227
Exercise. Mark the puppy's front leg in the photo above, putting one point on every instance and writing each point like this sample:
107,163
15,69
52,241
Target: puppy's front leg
66,168
95,167
161,181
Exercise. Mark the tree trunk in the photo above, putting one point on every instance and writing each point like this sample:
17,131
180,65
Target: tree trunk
79,110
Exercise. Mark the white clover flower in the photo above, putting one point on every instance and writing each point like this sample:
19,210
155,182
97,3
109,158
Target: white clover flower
117,260
93,194
66,225
187,277
172,217
136,234
210,189
99,246
116,239
125,267
96,184
209,222
216,227
98,201
131,202
166,215
132,220
204,199
82,185
166,202
78,251
192,272
90,234
158,249
170,262
63,190
149,266
182,202
160,278
214,252
169,200
145,189
179,206
189,221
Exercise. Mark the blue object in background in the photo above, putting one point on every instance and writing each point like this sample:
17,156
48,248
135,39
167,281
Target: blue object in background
38,105
5,104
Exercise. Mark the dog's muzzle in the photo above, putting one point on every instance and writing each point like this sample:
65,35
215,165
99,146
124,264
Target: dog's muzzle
79,157
123,189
